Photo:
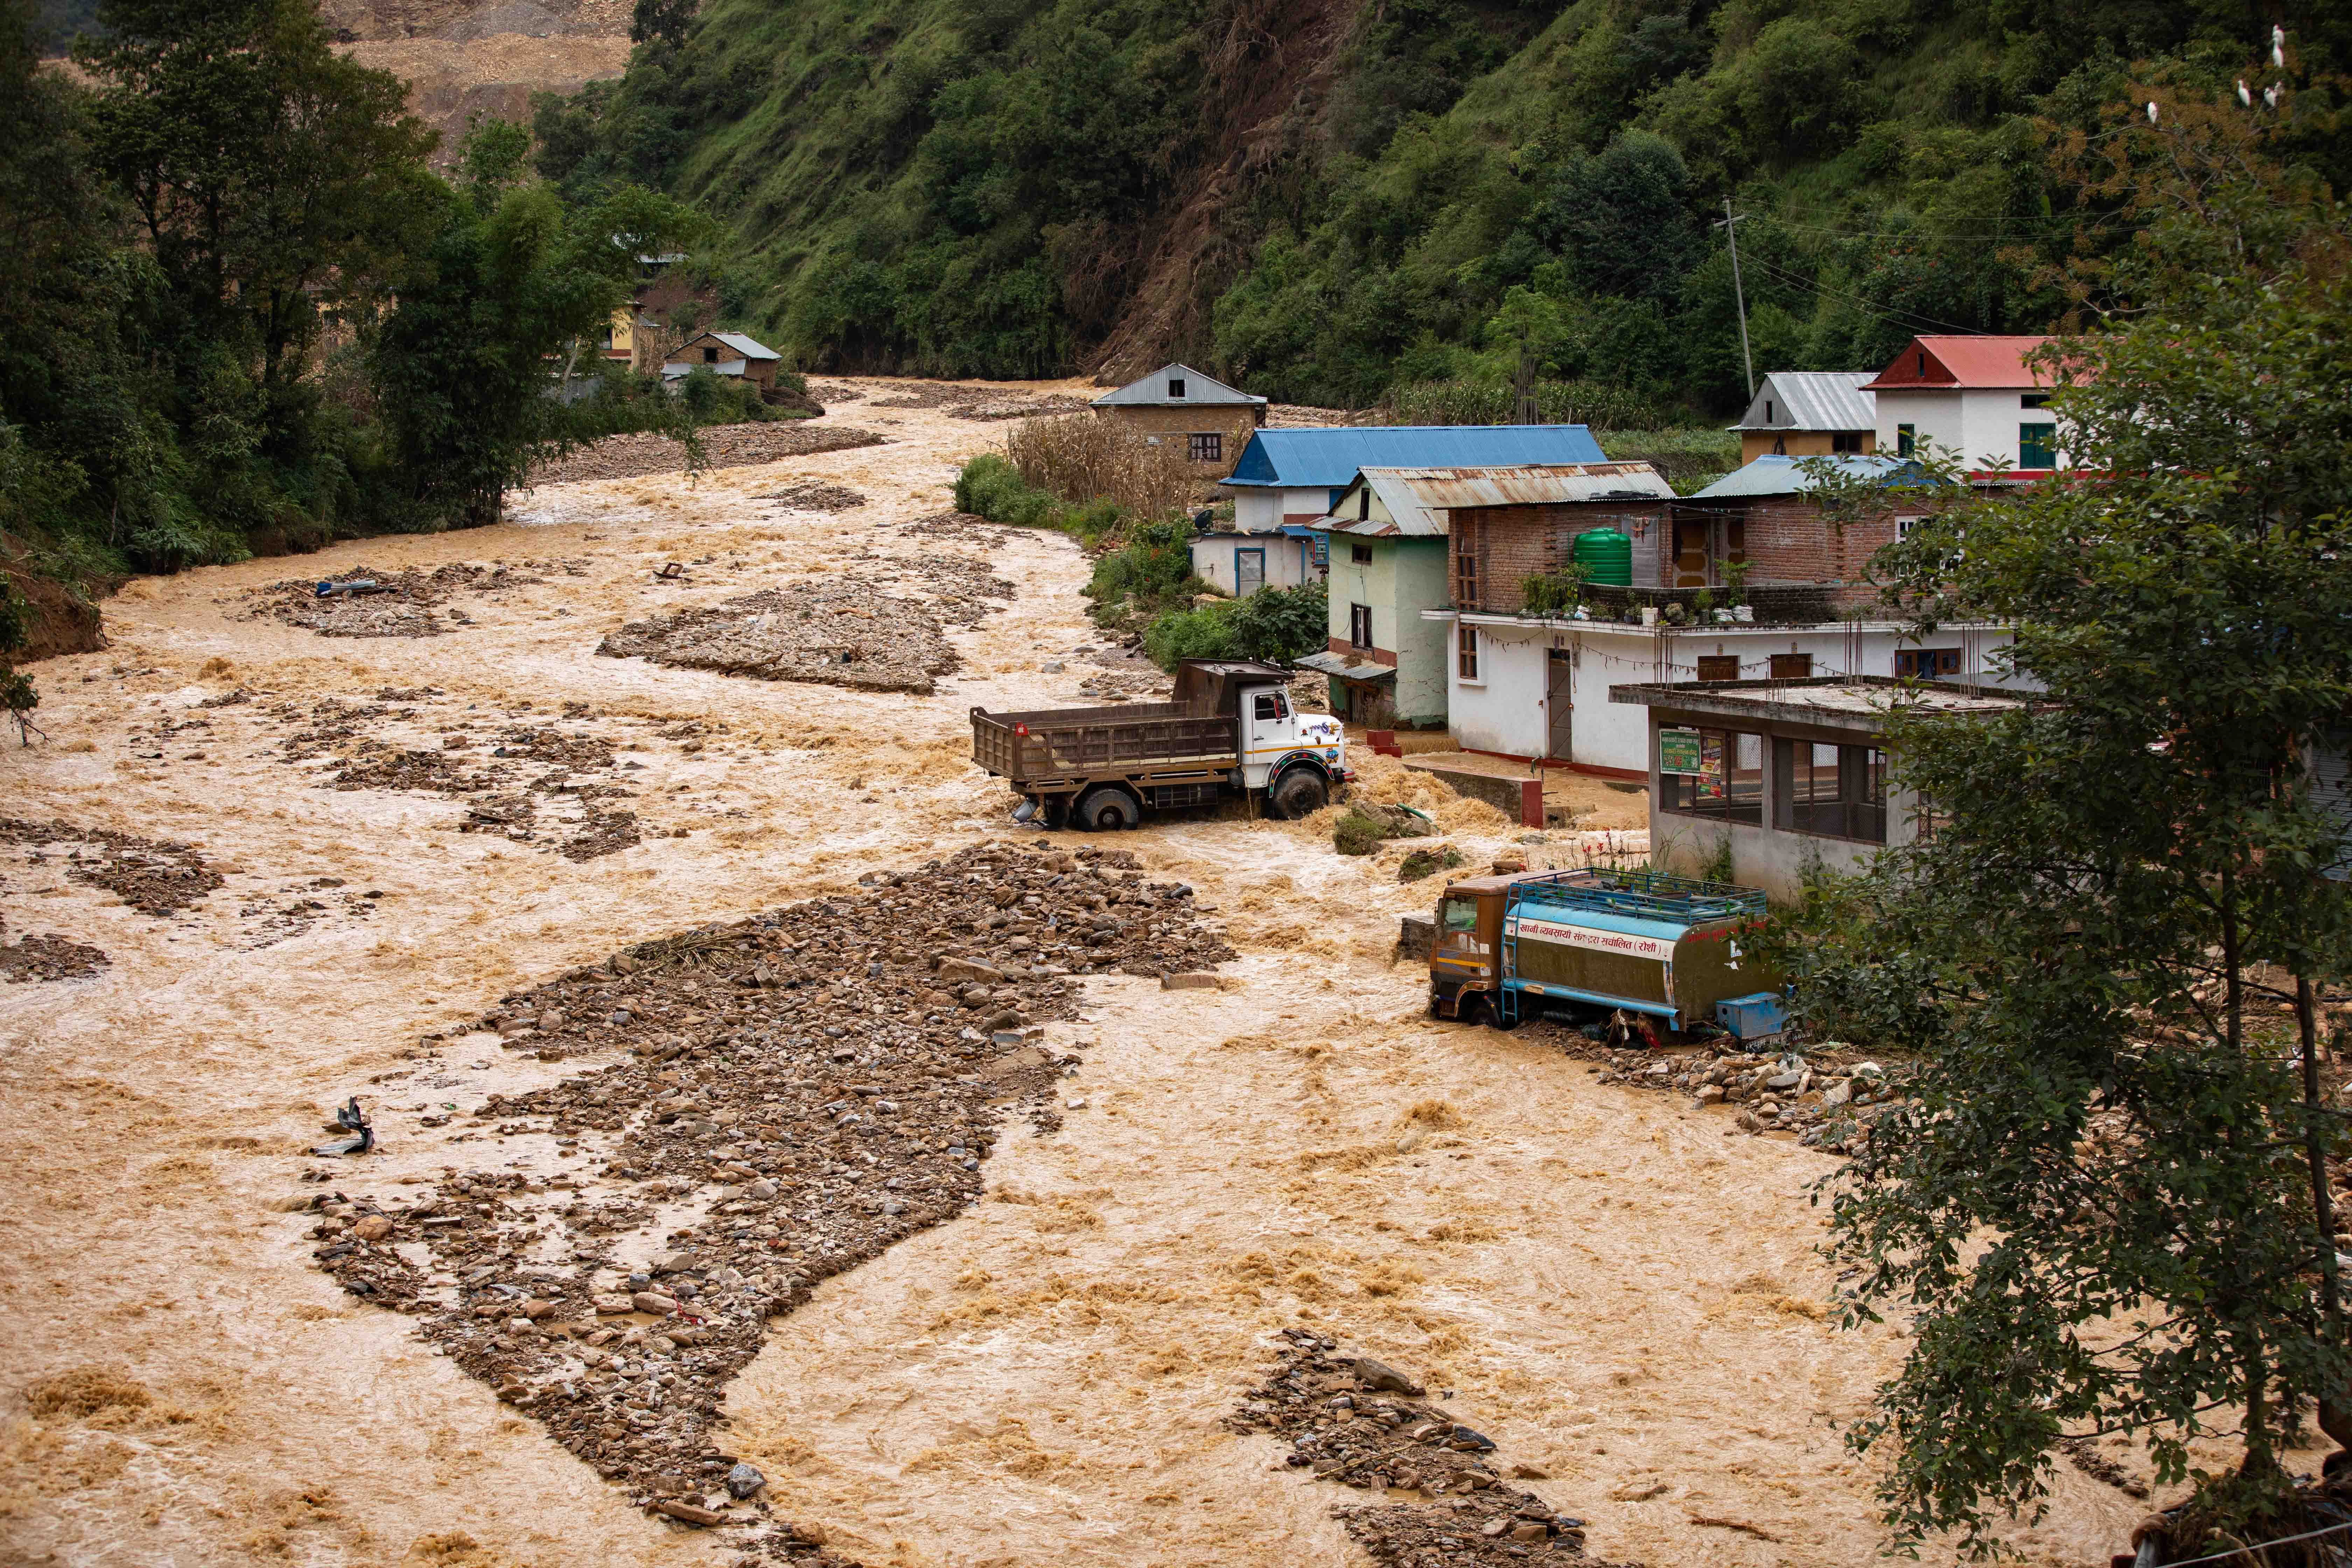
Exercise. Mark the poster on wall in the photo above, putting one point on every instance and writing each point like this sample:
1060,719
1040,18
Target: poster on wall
1711,769
1678,752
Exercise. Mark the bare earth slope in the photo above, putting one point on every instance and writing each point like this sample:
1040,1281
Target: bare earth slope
463,57
1607,1282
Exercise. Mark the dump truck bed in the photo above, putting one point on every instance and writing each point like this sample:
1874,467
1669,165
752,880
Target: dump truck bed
1061,743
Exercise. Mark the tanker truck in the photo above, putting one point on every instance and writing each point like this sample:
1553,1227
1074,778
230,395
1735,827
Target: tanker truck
1509,947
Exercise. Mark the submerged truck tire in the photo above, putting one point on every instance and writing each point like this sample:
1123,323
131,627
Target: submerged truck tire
1300,792
1108,811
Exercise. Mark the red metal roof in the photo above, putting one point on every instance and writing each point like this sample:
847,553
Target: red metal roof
1989,362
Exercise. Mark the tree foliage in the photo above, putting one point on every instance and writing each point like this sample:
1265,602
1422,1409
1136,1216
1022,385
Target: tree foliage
2107,1208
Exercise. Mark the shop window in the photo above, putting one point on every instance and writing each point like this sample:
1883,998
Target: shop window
1465,653
1836,792
1359,626
1926,663
1209,447
1718,667
1714,773
1792,667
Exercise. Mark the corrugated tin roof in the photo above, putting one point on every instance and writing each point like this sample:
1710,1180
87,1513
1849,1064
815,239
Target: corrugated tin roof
1330,663
1779,476
1454,487
1152,391
750,348
1975,362
1813,400
1331,457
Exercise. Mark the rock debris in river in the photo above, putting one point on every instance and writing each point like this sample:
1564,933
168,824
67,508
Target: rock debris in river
49,957
1360,1422
156,877
723,447
404,604
814,495
780,1098
1828,1095
832,631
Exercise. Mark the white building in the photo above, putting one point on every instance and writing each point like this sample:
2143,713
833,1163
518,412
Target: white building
1533,689
1976,398
1242,562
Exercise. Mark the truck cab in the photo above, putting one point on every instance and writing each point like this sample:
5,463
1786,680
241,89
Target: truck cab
1275,737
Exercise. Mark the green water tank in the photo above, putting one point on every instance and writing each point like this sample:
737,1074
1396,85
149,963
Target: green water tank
1607,556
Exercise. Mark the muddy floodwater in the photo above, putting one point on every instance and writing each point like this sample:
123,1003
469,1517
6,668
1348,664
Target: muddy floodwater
329,848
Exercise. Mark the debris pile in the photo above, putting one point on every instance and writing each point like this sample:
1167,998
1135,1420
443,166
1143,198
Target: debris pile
154,876
831,631
978,402
1362,1423
1365,825
563,798
305,907
49,957
785,1097
723,447
1830,1099
362,602
814,495
965,526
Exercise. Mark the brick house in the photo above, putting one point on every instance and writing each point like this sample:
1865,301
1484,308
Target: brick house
724,353
1765,518
1510,524
1177,403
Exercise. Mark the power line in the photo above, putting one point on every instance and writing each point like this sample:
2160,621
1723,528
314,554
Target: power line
1891,314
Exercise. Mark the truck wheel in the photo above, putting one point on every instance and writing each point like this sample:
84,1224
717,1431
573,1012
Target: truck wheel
1109,810
1300,792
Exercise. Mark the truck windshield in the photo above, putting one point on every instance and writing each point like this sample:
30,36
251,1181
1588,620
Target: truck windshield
1457,927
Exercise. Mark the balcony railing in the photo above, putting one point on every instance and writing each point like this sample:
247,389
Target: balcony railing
1767,604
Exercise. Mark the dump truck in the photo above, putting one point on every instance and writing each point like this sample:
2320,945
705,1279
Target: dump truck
1512,946
1230,730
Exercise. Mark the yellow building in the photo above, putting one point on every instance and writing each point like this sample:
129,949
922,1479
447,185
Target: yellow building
1810,413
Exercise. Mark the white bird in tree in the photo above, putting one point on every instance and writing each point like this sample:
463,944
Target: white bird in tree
2243,95
2151,111
2271,96
2278,44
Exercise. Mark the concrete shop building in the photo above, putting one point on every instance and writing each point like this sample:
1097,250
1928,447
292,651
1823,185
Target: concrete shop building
1298,476
1782,778
1240,563
1176,403
1537,687
1810,413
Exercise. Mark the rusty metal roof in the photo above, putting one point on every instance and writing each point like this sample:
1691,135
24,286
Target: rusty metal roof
1421,500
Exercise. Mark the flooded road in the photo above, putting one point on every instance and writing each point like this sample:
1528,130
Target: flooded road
1615,1286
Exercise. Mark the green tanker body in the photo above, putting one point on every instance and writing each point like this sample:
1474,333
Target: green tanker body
1507,947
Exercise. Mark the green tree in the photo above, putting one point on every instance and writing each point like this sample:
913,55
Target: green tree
462,365
2107,1208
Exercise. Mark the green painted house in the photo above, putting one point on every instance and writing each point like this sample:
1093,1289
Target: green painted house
1387,664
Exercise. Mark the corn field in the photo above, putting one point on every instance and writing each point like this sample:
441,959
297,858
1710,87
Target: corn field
1080,458
1480,401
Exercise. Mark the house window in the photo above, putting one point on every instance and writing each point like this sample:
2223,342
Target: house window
710,356
2037,445
1718,667
1907,440
1465,653
1359,626
1923,366
1837,792
1364,504
2034,400
1208,447
1361,554
1926,663
1715,773
1465,563
1845,441
1175,386
1769,416
1792,667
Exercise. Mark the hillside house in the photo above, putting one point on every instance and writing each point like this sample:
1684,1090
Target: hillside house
1530,687
723,353
1298,476
1975,397
1176,403
1242,560
1789,776
1810,413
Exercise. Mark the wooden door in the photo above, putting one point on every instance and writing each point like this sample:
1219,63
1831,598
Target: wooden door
1559,702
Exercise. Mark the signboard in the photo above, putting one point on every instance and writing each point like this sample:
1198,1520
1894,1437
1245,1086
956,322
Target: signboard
1678,752
1626,944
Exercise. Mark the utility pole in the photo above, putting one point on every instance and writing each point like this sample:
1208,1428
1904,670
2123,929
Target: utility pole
1730,227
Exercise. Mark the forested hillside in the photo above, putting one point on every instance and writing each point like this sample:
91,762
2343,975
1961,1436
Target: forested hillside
1325,198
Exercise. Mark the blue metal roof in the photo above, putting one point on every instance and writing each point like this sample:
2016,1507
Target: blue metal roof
1773,475
1332,455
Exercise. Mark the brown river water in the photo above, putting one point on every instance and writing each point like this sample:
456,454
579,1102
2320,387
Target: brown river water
1610,1283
